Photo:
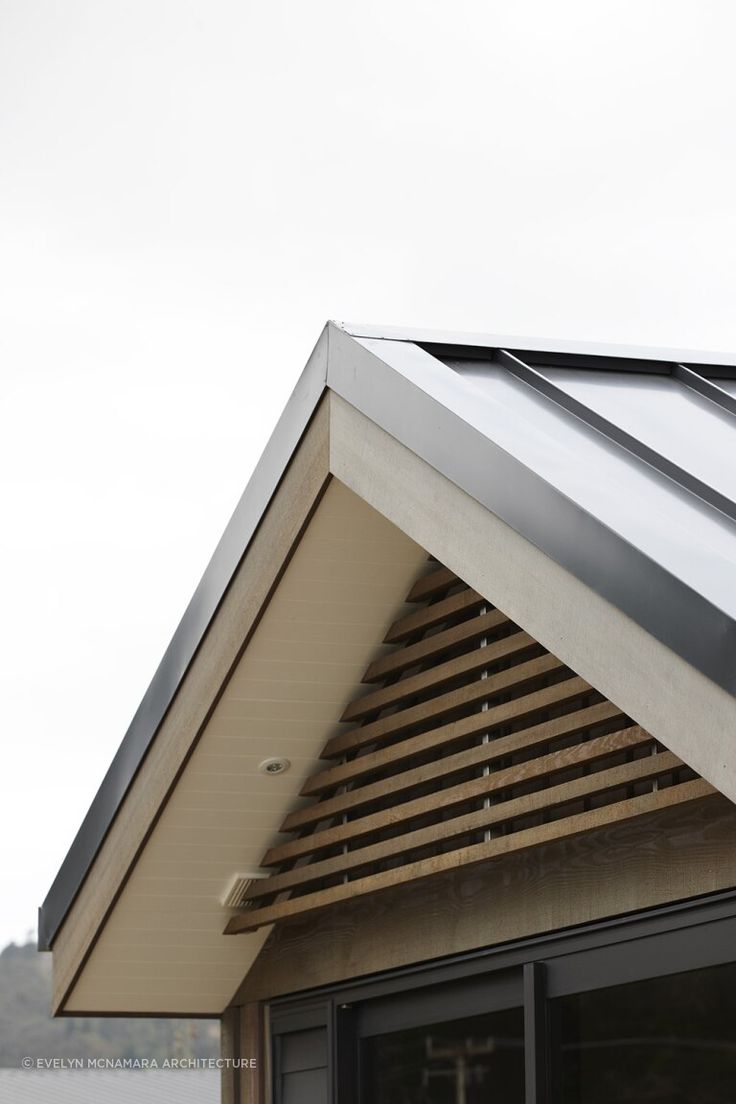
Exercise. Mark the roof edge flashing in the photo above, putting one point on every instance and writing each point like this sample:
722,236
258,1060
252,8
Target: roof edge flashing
473,342
185,642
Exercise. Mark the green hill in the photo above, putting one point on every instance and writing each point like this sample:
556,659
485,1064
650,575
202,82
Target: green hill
27,1028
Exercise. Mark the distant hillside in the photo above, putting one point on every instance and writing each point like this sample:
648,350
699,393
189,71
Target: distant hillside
27,1028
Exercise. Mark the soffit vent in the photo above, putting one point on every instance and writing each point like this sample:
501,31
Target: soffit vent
235,894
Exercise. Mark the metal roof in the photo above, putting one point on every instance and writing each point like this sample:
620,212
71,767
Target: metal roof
616,462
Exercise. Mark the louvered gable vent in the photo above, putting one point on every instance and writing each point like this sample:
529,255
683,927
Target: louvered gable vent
472,742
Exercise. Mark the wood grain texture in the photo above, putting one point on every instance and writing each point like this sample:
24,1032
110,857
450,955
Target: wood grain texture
243,1038
429,586
423,651
485,784
253,1044
427,618
446,830
437,677
445,767
515,678
251,919
672,855
516,710
229,1049
377,848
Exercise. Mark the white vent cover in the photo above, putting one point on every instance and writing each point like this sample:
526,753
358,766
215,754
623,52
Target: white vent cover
233,897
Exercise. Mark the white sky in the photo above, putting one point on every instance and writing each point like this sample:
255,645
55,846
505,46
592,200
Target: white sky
189,189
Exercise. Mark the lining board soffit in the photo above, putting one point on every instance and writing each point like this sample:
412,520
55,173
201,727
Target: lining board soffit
472,742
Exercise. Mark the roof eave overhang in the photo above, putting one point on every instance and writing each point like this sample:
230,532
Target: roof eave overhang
396,384
186,641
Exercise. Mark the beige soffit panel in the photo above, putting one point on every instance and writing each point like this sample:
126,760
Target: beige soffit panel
162,947
299,490
676,703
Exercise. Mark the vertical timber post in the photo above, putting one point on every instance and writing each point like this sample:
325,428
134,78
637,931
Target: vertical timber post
229,1050
253,1045
242,1040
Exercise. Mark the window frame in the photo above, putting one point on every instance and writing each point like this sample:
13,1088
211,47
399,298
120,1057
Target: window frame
688,935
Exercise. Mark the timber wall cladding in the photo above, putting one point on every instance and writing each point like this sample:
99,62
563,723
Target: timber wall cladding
474,742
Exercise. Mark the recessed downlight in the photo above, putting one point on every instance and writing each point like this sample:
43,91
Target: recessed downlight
274,766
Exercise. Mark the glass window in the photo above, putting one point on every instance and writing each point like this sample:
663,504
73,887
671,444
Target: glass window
476,1060
669,1040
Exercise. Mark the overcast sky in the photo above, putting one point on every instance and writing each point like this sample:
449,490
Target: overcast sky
189,189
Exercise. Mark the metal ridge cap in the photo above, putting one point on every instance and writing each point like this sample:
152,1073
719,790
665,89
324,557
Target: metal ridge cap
427,336
185,643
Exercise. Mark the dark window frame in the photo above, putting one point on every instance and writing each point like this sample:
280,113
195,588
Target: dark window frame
670,939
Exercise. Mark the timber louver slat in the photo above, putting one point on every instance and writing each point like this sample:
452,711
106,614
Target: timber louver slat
479,744
479,755
517,709
437,677
431,646
437,582
585,786
249,920
431,615
489,783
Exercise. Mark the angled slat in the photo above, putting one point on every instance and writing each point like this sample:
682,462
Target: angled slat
253,918
622,740
445,736
435,708
432,646
652,766
429,616
429,762
437,677
429,586
478,756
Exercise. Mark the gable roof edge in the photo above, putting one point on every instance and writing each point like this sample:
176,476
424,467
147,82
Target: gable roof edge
185,642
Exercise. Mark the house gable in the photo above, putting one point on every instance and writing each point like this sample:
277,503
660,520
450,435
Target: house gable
136,917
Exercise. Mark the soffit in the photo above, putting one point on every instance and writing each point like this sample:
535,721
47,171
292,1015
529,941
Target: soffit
162,949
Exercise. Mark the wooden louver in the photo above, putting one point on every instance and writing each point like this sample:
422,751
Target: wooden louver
474,742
